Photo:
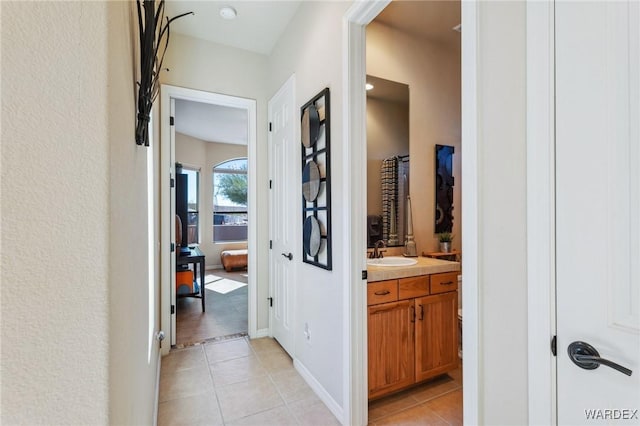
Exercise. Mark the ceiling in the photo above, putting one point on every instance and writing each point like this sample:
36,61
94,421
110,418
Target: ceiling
433,20
257,27
212,123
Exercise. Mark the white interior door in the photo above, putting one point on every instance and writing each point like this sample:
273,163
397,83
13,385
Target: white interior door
284,206
598,209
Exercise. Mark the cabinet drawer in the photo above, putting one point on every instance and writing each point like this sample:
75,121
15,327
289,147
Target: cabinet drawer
413,287
442,283
382,292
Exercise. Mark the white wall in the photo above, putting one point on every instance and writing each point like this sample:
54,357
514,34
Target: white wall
55,213
311,46
432,71
387,135
191,151
502,281
202,65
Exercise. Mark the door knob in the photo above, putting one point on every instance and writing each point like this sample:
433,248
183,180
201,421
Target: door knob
586,356
288,256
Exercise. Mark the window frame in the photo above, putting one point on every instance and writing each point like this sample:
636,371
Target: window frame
197,170
217,169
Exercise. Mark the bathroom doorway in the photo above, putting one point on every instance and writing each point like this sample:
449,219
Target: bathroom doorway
413,71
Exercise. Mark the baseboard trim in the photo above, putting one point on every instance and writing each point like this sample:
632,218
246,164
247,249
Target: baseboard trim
263,332
324,396
211,267
157,390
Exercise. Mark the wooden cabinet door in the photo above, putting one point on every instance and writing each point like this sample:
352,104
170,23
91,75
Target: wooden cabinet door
391,346
436,349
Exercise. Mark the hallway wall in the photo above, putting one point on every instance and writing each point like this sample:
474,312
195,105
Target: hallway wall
134,285
211,67
79,292
502,200
55,213
311,46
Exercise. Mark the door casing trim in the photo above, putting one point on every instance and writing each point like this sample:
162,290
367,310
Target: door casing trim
541,283
167,92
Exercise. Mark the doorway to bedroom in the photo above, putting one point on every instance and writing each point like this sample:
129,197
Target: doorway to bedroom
211,202
207,146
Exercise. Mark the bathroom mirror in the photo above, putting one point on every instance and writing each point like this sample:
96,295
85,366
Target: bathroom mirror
387,160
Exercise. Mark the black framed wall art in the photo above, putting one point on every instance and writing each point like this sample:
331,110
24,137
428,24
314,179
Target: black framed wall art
316,181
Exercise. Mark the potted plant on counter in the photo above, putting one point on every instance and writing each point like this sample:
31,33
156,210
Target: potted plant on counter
445,239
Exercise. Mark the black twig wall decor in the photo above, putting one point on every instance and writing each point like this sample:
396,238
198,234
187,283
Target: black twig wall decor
154,39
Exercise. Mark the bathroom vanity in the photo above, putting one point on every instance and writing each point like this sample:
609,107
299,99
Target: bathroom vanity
412,323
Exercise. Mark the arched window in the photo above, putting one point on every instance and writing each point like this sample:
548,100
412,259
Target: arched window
230,201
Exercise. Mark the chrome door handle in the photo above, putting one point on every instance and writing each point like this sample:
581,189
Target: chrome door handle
288,256
586,356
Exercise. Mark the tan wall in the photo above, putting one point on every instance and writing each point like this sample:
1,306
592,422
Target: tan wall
205,155
387,135
81,326
55,213
432,71
134,286
211,67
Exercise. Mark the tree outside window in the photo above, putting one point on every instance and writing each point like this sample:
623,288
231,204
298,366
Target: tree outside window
230,201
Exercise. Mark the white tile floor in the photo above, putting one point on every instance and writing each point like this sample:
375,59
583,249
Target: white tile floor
236,382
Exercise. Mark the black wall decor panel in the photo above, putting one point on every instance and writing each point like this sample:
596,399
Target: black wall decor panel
316,181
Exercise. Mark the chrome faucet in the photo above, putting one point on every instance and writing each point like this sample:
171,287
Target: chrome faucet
377,253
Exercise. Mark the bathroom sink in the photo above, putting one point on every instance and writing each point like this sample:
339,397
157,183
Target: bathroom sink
392,261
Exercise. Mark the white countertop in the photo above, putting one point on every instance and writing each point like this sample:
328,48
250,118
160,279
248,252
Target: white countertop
425,266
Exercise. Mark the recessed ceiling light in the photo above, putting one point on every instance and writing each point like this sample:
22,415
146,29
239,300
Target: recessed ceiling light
227,12
368,86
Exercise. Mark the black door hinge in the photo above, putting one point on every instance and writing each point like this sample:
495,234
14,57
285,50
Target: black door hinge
173,309
554,346
270,126
270,244
270,299
270,183
173,247
364,275
172,182
171,121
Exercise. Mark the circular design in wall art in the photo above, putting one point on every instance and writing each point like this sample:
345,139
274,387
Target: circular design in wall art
310,181
310,126
311,236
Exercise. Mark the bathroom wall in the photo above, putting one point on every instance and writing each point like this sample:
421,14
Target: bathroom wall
432,71
201,154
